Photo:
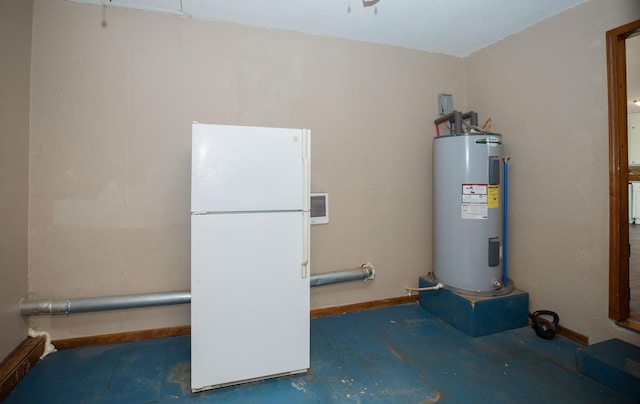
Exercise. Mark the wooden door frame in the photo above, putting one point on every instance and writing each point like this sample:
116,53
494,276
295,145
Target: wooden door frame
618,170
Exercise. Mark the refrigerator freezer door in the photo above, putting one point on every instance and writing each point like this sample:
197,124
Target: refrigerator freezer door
244,169
249,302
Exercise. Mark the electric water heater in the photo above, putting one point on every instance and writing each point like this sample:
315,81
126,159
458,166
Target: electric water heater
468,212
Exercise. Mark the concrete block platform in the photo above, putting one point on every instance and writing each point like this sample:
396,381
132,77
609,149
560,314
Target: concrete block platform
613,363
476,315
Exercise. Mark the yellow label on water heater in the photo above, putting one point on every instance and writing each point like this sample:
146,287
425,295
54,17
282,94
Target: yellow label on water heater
493,197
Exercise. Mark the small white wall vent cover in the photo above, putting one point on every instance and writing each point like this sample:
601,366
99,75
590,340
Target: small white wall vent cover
319,208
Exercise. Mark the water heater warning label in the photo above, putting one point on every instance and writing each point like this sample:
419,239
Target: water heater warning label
475,201
494,197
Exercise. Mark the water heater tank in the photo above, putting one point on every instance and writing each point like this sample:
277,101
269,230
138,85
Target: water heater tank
467,189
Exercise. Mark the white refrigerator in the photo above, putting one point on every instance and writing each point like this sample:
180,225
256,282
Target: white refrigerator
249,254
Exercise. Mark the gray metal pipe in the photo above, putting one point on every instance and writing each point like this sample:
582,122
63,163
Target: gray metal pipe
92,304
456,117
363,272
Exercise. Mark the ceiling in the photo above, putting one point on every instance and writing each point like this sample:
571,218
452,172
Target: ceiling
451,27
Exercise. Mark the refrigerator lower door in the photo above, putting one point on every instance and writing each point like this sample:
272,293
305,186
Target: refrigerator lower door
249,298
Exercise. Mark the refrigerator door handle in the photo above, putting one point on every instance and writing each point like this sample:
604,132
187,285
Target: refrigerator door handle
305,246
306,204
306,163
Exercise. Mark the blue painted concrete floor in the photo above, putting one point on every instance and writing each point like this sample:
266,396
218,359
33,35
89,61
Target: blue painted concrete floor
398,354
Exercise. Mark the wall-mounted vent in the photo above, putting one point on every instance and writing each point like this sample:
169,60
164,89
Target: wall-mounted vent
319,208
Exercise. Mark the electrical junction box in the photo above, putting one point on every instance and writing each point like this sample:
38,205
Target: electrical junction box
319,208
445,104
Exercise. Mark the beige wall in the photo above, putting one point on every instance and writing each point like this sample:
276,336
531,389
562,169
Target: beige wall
15,57
546,89
112,108
110,164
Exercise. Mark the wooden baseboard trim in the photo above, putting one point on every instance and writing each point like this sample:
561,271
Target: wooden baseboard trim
18,363
122,337
186,330
329,311
572,335
629,325
569,334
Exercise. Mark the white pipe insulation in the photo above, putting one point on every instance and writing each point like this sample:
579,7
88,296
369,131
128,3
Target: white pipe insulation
93,304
